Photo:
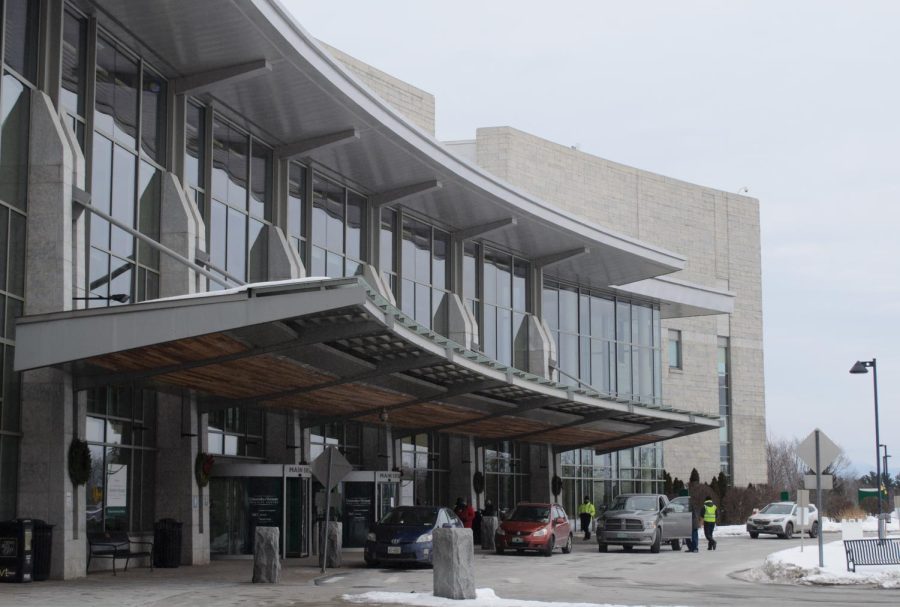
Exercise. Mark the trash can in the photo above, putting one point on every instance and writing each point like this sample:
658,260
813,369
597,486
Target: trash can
167,543
15,550
41,545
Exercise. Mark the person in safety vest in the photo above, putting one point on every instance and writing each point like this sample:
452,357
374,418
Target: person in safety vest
709,522
587,512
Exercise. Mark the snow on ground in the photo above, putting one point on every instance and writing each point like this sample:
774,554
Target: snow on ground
792,566
869,524
485,597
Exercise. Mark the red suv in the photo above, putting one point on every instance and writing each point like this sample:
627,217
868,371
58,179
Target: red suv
540,527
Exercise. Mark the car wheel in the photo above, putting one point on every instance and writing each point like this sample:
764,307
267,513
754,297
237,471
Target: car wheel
654,547
814,529
602,547
568,547
676,545
498,550
550,545
753,535
627,547
789,531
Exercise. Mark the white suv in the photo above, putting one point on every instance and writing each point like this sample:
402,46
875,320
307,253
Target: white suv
784,519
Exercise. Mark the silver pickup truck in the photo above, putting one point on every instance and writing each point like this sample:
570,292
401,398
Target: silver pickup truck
643,519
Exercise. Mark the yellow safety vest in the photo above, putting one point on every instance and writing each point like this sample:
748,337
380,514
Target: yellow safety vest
587,508
709,512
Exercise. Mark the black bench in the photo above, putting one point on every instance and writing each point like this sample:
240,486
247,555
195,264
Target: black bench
872,551
116,545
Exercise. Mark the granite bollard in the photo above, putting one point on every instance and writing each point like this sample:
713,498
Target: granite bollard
266,556
489,526
335,545
454,564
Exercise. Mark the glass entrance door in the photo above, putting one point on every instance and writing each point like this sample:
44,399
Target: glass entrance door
297,536
388,497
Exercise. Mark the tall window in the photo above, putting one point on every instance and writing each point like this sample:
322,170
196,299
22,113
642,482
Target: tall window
241,203
609,344
723,366
424,477
674,349
20,19
601,478
120,429
74,72
128,156
236,431
387,254
424,268
297,209
195,155
346,436
506,473
504,290
338,227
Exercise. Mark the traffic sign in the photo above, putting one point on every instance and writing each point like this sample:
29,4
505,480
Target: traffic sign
809,481
803,497
828,451
340,468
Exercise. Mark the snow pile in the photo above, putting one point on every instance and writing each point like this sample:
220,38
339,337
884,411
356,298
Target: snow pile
792,566
869,524
485,597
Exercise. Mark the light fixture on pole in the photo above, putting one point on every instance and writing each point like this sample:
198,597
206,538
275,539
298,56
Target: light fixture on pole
862,366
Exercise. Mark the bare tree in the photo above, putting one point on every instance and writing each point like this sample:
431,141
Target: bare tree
785,468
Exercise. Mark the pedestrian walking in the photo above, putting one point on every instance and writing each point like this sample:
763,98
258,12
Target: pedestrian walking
465,512
693,544
709,522
587,512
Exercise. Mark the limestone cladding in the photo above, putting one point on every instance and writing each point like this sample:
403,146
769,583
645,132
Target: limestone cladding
719,234
413,103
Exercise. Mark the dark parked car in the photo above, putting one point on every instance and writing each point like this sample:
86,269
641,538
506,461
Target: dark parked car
404,534
540,527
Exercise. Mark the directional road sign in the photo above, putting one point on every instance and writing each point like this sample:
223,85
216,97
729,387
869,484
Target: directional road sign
828,451
340,467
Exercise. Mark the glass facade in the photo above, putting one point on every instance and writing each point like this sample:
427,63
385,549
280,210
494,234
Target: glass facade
236,432
120,431
602,477
338,229
506,473
127,160
297,209
423,471
675,361
19,61
346,436
496,287
723,369
609,344
239,203
424,272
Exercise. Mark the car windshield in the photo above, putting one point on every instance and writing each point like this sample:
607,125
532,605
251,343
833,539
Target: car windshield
635,502
531,514
777,509
411,516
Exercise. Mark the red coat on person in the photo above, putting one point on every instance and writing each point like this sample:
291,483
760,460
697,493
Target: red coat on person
466,514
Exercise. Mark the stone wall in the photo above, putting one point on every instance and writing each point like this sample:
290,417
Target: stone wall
413,103
719,234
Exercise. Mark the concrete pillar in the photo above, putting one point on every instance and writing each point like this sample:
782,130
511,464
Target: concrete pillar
177,494
541,347
372,276
181,229
461,462
284,260
541,466
50,418
463,328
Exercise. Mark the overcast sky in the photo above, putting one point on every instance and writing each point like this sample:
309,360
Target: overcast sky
799,101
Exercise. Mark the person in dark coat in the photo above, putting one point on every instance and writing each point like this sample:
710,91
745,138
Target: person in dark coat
694,543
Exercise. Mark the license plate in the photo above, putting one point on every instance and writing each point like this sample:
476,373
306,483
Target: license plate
517,540
621,535
393,549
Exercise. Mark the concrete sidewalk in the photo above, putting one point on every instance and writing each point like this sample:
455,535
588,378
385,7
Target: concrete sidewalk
221,583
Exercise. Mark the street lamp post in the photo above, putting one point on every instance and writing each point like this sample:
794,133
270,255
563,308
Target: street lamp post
862,366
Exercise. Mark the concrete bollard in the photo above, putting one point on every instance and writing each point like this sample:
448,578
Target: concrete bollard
266,556
335,541
454,564
489,526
